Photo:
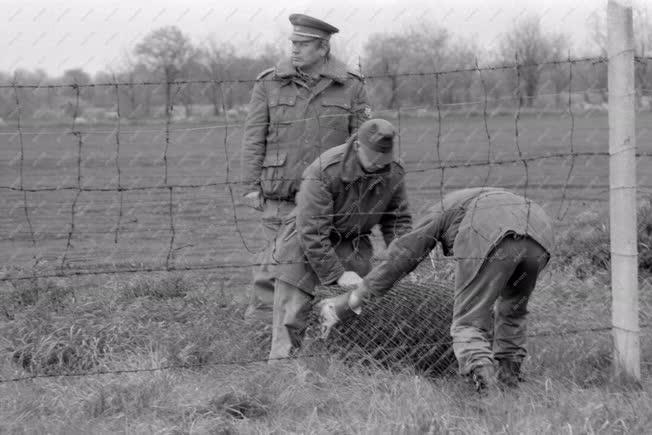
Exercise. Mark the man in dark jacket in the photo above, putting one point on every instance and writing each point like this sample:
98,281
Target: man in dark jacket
501,242
298,109
346,192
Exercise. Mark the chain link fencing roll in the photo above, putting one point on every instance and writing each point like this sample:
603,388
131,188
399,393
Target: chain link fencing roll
407,328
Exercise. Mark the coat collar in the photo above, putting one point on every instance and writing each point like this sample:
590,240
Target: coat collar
333,69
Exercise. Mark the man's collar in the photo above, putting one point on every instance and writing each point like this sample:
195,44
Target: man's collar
333,69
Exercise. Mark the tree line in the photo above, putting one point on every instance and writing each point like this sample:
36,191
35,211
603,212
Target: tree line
401,68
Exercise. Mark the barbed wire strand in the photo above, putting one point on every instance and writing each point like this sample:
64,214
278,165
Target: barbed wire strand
486,123
560,215
192,267
227,180
78,189
169,107
117,162
244,362
517,117
517,144
378,111
455,165
438,142
22,171
589,59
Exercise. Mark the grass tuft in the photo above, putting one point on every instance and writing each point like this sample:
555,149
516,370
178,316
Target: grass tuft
175,286
239,406
585,244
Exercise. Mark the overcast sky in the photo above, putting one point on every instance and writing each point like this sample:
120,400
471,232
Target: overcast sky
92,34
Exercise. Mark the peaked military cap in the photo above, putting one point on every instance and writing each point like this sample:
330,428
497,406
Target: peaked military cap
307,28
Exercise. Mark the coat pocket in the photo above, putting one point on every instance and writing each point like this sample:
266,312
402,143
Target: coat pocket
282,110
335,114
273,174
275,159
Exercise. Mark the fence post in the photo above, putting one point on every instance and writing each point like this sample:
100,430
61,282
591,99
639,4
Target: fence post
622,192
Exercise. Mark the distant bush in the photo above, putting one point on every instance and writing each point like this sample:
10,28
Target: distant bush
587,242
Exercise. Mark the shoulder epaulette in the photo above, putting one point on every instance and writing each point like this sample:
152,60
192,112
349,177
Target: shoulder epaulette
356,74
331,156
265,73
328,158
399,161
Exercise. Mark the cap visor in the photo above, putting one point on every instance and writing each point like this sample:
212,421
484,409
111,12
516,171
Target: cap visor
300,38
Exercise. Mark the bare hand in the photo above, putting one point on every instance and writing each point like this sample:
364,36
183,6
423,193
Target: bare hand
254,200
349,280
327,313
357,297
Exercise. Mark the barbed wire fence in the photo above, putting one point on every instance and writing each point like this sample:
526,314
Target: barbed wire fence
493,141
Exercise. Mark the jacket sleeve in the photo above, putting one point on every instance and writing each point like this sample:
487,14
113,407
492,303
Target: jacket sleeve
360,109
253,142
397,219
404,254
314,222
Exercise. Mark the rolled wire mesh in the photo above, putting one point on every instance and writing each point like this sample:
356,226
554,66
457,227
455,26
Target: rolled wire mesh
408,328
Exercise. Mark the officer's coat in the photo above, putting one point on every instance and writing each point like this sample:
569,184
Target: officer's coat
290,124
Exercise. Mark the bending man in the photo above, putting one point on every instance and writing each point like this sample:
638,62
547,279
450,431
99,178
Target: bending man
501,242
344,194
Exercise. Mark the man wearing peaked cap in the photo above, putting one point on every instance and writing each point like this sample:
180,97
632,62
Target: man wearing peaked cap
347,191
305,105
307,28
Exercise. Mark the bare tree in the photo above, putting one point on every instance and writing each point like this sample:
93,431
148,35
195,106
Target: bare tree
560,74
393,55
78,77
169,51
29,100
384,54
217,60
642,46
128,73
528,43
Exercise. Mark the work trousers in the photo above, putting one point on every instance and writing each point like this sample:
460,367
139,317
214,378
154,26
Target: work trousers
504,283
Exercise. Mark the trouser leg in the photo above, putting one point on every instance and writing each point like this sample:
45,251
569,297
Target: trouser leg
261,293
291,309
472,311
511,308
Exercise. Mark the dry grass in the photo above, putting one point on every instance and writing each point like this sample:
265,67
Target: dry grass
568,391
